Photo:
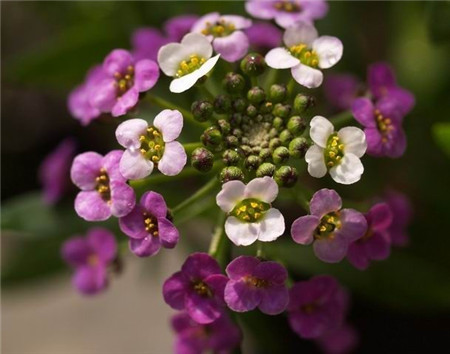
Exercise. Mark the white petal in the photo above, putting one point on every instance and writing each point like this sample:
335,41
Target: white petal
316,161
354,140
197,44
307,76
272,226
280,58
348,171
240,233
200,25
170,56
173,159
170,123
135,166
264,189
232,193
303,32
329,49
128,133
239,22
321,129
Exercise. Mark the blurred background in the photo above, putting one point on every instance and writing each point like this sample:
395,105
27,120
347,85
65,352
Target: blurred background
400,304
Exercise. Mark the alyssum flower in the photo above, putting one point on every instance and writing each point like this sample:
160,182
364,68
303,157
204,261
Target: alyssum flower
148,146
224,31
305,53
148,227
187,61
90,256
251,216
330,228
336,152
104,191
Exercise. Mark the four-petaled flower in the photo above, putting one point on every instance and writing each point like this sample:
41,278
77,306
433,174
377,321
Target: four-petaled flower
148,227
187,61
305,54
251,216
198,288
336,152
104,191
330,228
256,284
225,33
148,146
90,256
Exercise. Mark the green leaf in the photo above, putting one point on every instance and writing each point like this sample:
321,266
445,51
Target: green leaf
441,134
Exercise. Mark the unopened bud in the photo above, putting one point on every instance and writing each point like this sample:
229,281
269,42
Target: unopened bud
202,159
277,93
265,153
239,105
224,126
274,143
202,110
298,147
280,154
256,95
231,141
282,110
278,122
296,125
253,64
233,82
230,157
211,137
286,136
265,169
302,103
231,173
252,162
266,107
286,176
222,104
252,111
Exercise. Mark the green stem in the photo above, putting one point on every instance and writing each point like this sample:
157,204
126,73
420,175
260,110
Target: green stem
254,81
291,86
259,249
166,104
342,118
189,147
217,239
270,78
301,197
205,190
160,178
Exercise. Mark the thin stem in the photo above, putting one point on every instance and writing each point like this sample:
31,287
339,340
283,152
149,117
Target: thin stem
205,190
291,86
160,178
218,236
166,104
341,118
270,78
259,250
301,198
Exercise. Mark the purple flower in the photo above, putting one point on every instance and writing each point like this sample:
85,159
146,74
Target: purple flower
341,90
331,228
376,243
54,172
148,146
104,191
316,306
79,103
124,79
256,284
198,288
177,27
225,34
340,340
287,12
148,227
220,336
402,212
382,83
383,126
263,36
90,256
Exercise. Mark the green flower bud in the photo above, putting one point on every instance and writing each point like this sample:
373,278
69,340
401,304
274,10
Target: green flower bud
265,169
298,147
212,137
282,110
266,107
236,119
202,110
296,125
278,123
202,159
222,104
224,126
286,176
280,154
265,153
231,173
277,93
233,83
237,132
252,162
252,111
286,136
231,141
239,104
256,95
246,150
302,103
274,143
253,64
230,157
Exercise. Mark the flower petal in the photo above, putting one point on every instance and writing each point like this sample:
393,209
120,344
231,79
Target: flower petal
174,290
85,169
123,198
232,47
75,251
146,75
169,123
374,142
202,309
330,250
104,96
307,76
202,22
241,297
241,266
380,216
168,233
264,189
135,166
198,44
321,129
271,271
132,224
240,233
302,33
302,229
128,132
280,58
329,50
232,193
272,226
103,242
239,22
89,280
170,56
354,140
154,203
125,102
362,109
274,300
91,207
316,161
110,163
349,171
145,247
117,61
199,266
354,225
173,159
325,201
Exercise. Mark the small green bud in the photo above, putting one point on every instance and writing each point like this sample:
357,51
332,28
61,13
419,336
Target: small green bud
280,154
286,136
266,107
231,141
202,110
246,150
265,169
277,93
296,125
282,110
233,83
265,153
230,157
252,162
278,122
211,137
302,103
256,95
274,143
222,104
253,64
224,126
239,104
237,132
236,119
286,176
298,147
231,173
252,111
202,159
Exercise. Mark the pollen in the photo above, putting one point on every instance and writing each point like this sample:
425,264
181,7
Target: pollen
250,210
221,28
152,144
306,55
190,65
334,151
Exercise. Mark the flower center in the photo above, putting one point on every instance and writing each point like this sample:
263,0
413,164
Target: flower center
256,282
202,289
306,55
250,210
124,81
152,145
92,260
287,6
187,66
384,125
334,151
328,224
102,185
151,224
221,28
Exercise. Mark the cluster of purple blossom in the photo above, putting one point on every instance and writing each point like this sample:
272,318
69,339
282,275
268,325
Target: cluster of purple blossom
316,308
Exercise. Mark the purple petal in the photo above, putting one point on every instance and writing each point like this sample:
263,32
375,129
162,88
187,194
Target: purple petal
132,224
154,203
103,242
111,164
325,201
261,9
271,271
79,105
168,233
404,98
378,247
353,225
170,123
123,198
241,266
173,159
241,297
274,300
330,250
380,78
133,165
181,321
104,97
232,47
146,43
178,26
357,256
341,90
202,309
90,281
340,340
225,335
396,144
362,109
117,61
125,102
302,229
389,108
91,207
217,283
75,251
264,35
374,142
85,169
379,217
174,290
199,265
129,132
145,247
146,75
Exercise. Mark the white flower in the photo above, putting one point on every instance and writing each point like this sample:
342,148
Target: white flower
251,216
304,53
187,61
337,153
